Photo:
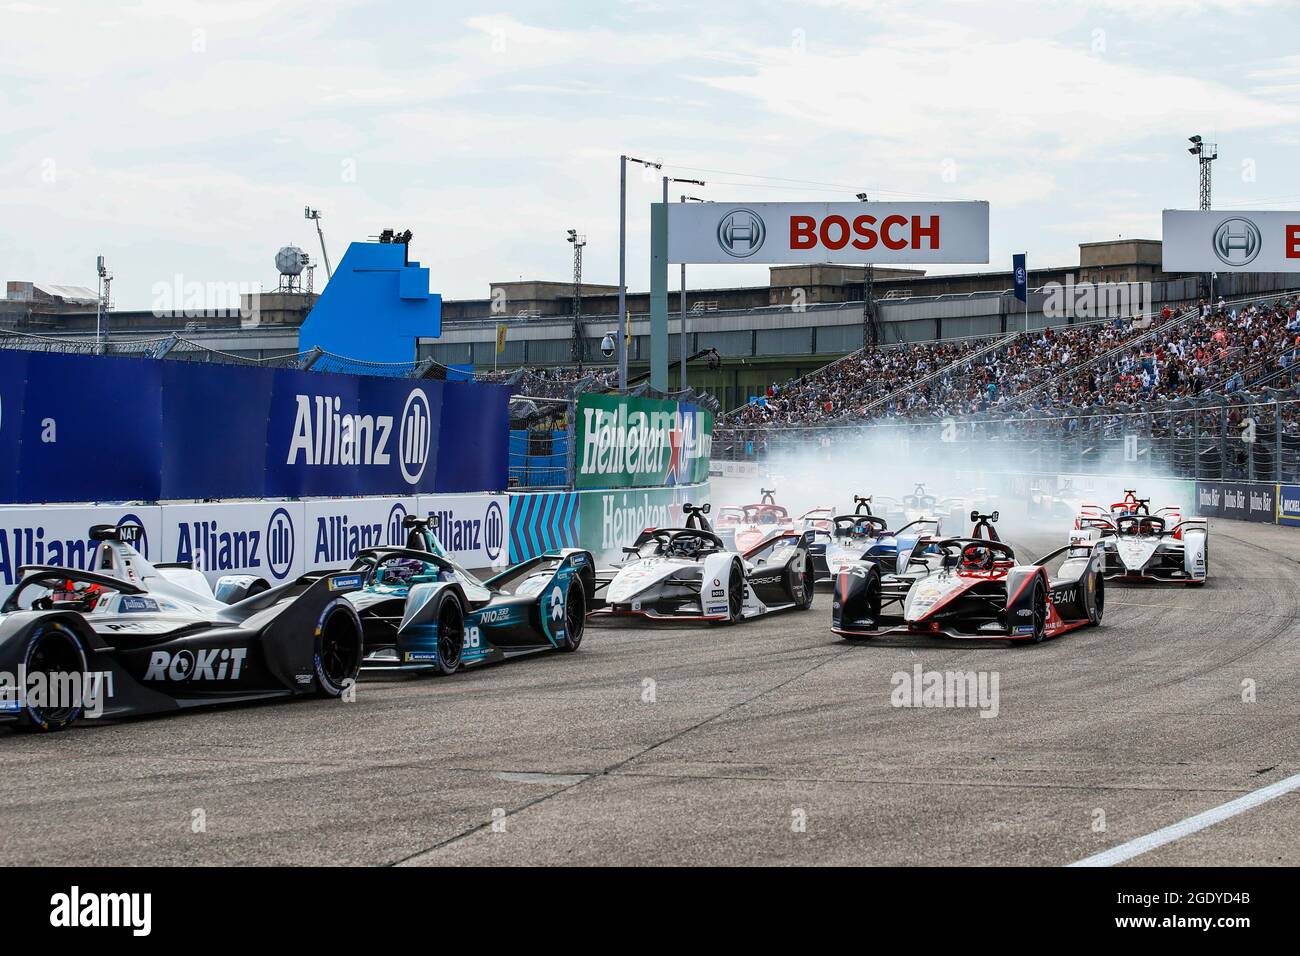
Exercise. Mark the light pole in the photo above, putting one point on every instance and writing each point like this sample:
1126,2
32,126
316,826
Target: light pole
681,333
101,302
314,216
575,348
869,335
621,345
1205,154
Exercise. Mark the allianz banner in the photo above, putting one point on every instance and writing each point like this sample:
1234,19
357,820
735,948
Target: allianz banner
1240,500
105,428
641,442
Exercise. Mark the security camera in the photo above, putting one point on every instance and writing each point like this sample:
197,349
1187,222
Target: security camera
607,345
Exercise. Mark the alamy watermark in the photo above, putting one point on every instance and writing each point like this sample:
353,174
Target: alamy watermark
922,688
195,300
54,690
1096,300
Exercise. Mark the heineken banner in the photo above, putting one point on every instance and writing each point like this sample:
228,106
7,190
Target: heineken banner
641,442
609,521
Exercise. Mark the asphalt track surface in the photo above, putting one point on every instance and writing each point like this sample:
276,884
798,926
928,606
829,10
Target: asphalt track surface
752,729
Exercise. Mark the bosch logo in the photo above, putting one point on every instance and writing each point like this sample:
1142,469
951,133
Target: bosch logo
131,529
279,544
741,233
415,435
493,530
396,533
1237,241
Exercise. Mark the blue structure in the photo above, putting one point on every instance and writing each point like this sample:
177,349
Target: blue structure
374,307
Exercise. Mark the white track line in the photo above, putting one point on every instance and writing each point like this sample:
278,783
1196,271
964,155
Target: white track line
1126,851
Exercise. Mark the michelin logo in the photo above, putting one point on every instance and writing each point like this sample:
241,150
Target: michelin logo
324,434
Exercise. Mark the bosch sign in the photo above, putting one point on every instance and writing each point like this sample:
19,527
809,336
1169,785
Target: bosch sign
1219,241
829,232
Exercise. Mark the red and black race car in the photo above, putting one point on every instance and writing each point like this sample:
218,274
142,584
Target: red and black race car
971,588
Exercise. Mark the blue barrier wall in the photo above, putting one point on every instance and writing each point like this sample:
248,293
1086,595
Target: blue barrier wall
103,428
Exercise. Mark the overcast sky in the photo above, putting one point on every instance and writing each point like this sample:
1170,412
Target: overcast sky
182,138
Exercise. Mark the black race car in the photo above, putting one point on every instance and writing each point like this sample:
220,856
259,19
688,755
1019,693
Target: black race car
127,637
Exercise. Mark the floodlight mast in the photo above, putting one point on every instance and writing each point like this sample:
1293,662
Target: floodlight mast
314,215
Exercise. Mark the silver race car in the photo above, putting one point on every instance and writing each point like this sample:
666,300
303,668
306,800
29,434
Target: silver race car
1163,547
689,574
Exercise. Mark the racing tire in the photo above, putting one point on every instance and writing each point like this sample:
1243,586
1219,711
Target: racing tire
802,584
54,648
735,594
872,598
450,648
338,650
575,615
1039,605
1097,606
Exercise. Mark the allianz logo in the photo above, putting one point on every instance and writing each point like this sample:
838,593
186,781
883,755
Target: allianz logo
325,434
339,538
207,546
24,545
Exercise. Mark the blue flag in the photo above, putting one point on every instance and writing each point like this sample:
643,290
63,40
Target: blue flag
1021,272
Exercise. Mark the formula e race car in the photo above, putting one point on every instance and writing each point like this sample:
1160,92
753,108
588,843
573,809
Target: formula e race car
816,519
689,574
128,637
760,522
1163,547
862,536
421,611
971,588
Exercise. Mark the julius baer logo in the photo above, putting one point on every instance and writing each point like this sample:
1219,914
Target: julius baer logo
656,444
325,434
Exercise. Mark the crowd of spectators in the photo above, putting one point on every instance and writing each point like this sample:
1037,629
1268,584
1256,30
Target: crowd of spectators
553,382
1219,349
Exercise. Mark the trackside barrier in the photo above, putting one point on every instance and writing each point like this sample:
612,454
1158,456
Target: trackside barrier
279,540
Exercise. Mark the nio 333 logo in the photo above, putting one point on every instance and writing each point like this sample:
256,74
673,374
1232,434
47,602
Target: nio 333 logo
557,604
217,663
324,434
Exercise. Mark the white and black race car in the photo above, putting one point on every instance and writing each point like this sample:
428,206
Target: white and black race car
126,637
1163,547
689,574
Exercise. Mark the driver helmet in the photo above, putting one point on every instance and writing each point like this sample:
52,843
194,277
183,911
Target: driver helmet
685,546
977,558
401,570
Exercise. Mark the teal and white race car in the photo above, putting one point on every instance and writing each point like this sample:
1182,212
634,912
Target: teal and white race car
422,611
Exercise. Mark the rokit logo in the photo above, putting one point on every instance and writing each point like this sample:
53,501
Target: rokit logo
324,434
213,664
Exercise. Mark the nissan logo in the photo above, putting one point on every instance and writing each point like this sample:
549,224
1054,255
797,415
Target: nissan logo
1237,241
741,233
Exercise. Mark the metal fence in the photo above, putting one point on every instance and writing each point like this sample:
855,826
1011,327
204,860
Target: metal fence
1242,436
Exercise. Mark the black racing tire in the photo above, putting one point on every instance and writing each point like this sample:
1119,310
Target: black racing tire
1097,606
575,614
54,648
339,644
802,584
735,593
450,648
1039,606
